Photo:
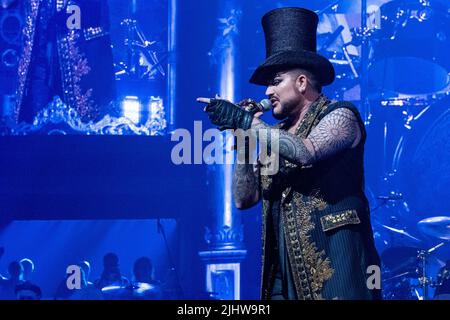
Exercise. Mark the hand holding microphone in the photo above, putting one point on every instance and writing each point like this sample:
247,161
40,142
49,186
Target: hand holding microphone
255,107
228,115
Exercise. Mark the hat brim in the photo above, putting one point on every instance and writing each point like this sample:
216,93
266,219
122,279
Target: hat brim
284,60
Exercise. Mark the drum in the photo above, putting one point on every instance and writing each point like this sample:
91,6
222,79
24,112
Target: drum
443,284
399,289
421,161
345,66
409,53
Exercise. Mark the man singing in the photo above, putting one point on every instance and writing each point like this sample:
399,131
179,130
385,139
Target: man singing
317,236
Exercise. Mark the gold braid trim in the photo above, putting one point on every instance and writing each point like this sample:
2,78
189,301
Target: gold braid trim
312,118
310,267
318,266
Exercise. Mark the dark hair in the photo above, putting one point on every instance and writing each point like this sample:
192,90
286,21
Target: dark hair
143,262
110,260
313,81
143,270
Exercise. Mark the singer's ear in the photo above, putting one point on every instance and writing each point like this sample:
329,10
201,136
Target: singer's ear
301,82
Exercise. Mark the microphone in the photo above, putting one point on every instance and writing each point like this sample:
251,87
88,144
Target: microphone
265,105
254,107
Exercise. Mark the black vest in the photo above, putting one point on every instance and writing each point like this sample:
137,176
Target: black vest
325,217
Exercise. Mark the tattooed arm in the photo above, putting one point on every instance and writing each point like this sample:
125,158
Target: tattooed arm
337,131
245,185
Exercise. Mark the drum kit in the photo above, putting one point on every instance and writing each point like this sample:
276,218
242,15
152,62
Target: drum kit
144,58
408,270
400,76
406,44
141,66
142,61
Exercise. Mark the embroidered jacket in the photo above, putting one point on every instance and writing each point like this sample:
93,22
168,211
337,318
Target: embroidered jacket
325,217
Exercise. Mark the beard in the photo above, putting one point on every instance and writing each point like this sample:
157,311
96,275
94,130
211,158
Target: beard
285,109
277,116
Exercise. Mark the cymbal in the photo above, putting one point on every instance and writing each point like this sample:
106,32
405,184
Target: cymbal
135,290
142,289
401,232
437,227
117,292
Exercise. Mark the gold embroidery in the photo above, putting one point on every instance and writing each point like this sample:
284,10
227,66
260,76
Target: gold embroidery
336,220
311,117
311,266
319,266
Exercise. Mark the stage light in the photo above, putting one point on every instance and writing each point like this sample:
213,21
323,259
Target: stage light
131,108
155,108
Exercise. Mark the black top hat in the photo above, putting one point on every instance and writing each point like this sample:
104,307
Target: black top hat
291,42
